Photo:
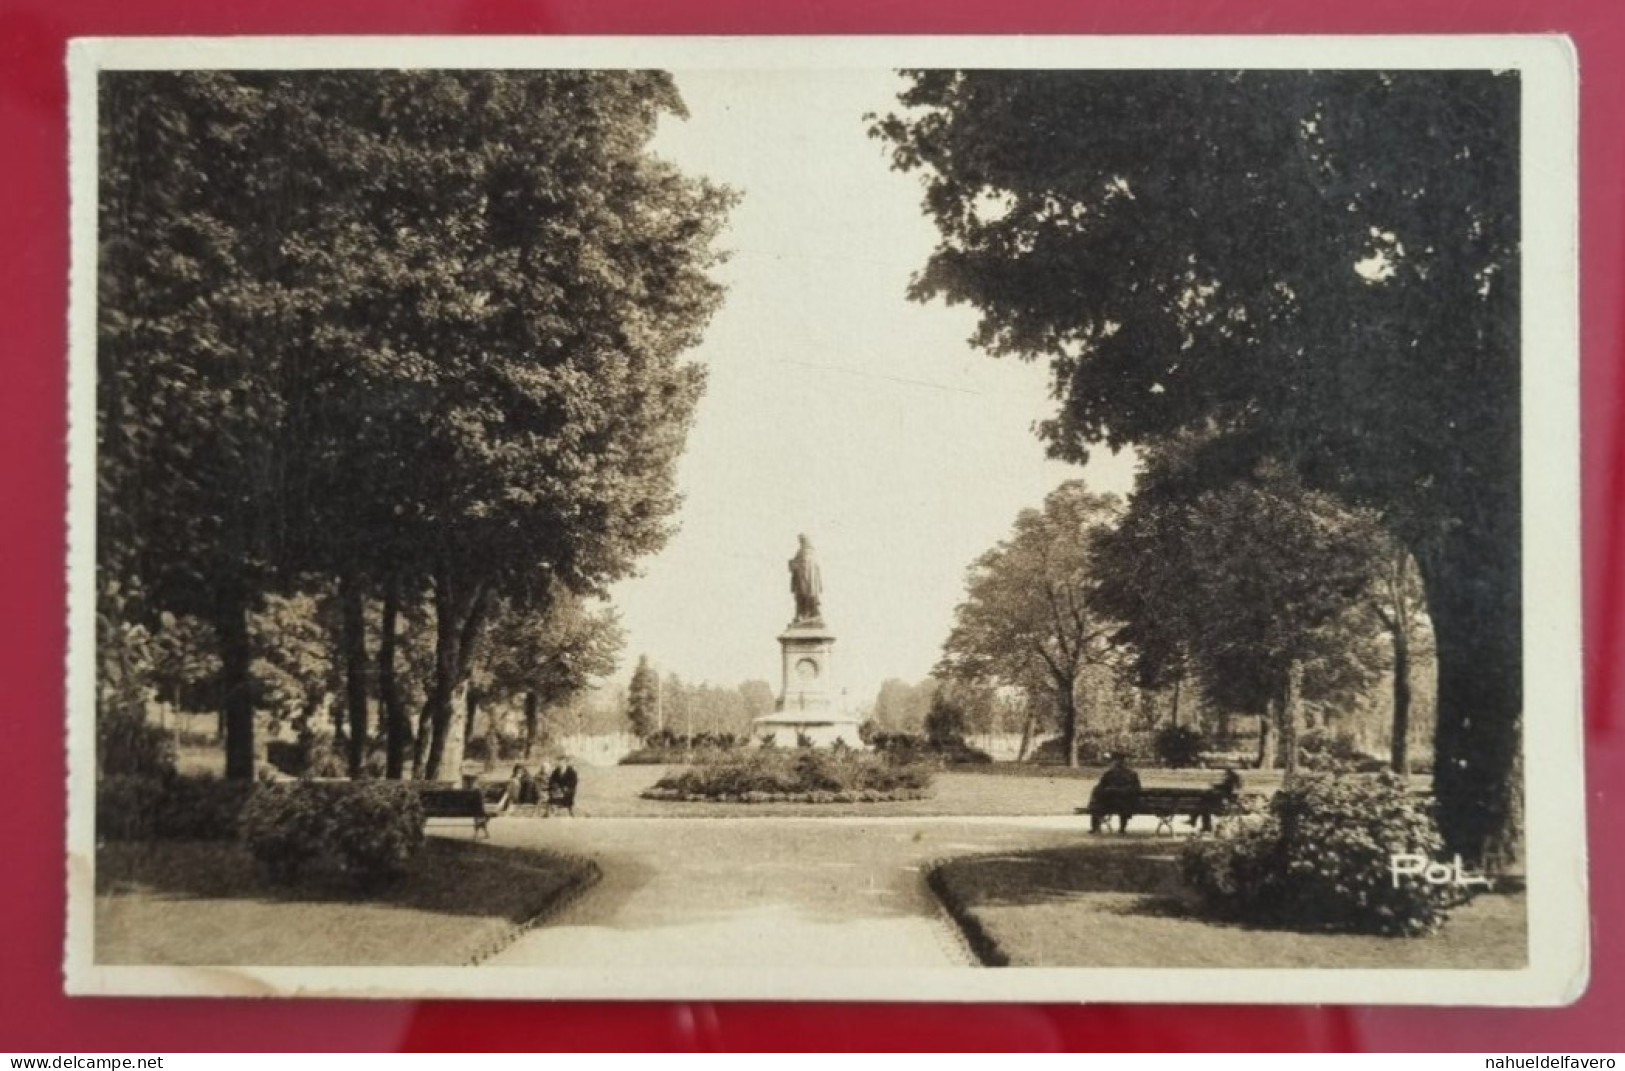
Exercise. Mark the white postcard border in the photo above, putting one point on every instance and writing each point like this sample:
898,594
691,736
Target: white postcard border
1555,819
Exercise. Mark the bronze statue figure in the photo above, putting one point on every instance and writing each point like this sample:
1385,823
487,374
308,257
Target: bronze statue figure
806,584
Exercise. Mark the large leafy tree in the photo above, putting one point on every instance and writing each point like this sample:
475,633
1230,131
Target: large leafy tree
195,338
545,655
409,329
1026,613
1323,265
1251,587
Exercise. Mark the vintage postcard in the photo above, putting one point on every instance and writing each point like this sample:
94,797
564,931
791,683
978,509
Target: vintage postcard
1064,519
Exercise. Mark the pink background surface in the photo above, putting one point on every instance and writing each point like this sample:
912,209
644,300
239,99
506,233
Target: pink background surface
34,1014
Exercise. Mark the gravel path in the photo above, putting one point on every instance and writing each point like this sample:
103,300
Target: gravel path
755,892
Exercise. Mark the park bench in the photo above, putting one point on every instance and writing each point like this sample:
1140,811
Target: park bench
561,798
461,804
1200,805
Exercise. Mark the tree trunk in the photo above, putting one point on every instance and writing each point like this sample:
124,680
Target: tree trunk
420,741
336,712
236,683
533,721
1174,714
1066,700
437,707
1399,747
353,639
471,707
493,741
1291,691
1266,741
397,726
1029,722
459,614
1475,601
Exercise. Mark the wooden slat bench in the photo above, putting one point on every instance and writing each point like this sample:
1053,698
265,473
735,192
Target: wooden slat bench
459,804
1201,805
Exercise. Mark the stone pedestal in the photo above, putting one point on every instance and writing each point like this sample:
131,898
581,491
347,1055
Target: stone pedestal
810,703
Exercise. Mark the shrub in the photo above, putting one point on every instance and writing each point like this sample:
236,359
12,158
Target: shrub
310,754
1319,749
510,748
369,829
965,753
129,745
202,808
885,742
127,806
1319,858
912,747
1178,746
285,827
169,808
376,827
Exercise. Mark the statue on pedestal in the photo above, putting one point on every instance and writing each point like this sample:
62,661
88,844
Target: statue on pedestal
806,584
810,708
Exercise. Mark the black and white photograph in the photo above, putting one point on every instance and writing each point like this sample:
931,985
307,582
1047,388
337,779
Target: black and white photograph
839,518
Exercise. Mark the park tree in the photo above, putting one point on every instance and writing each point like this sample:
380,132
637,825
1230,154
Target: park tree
1324,265
957,709
419,331
295,665
547,366
544,655
194,338
1396,600
643,699
1026,612
1250,585
901,707
185,667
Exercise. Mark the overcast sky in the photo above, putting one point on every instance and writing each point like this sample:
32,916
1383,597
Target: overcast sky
835,406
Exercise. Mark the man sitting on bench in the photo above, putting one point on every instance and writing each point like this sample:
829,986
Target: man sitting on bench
561,788
1117,792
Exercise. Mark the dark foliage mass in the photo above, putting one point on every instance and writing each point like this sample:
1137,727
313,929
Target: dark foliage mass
1179,746
169,807
395,338
1319,269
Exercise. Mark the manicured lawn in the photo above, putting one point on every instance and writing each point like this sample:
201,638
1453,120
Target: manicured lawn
1119,903
205,904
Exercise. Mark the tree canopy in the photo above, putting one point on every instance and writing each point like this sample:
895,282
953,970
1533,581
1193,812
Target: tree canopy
1026,613
1250,588
405,328
1322,266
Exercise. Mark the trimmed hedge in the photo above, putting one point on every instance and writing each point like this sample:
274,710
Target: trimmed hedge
369,829
674,755
912,747
169,808
1319,858
801,775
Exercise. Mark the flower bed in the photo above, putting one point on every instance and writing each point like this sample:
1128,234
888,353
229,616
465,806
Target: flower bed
800,776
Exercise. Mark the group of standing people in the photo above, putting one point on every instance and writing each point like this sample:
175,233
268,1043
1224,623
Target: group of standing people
555,787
